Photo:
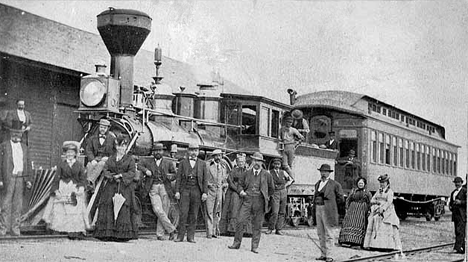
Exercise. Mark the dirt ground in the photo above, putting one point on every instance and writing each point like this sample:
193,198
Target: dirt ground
295,245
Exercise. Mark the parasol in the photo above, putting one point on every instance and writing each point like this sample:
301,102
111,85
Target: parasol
118,200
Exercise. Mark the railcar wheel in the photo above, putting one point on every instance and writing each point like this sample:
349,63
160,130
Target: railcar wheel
436,218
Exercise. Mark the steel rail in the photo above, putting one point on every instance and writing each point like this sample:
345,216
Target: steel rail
406,252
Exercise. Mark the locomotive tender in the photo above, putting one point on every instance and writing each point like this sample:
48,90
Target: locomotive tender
411,150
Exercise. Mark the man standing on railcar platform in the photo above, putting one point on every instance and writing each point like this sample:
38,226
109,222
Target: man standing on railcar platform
290,138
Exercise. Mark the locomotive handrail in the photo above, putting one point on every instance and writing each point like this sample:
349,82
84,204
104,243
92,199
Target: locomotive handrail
156,112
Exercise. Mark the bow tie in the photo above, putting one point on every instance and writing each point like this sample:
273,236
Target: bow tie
193,159
102,136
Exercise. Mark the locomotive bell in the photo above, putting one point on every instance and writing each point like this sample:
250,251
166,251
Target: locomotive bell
123,32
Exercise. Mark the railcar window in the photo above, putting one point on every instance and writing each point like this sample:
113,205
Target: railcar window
451,164
428,152
387,150
412,155
407,154
400,145
434,160
275,124
438,161
442,158
249,119
423,159
384,111
381,147
418,157
447,164
395,151
455,164
265,126
374,146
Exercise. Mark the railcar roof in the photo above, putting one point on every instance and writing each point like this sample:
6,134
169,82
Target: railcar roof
345,101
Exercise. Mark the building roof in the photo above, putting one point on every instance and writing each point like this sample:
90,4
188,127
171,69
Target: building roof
35,38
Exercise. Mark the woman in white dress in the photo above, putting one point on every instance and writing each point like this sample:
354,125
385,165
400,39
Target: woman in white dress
383,225
66,209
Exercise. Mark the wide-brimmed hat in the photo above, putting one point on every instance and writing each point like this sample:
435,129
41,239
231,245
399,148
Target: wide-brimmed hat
383,178
287,116
325,167
457,180
257,156
276,160
71,145
217,152
193,146
174,148
158,146
104,122
297,114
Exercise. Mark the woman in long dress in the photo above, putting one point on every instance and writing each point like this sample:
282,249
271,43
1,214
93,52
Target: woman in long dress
66,209
354,225
119,173
383,228
227,224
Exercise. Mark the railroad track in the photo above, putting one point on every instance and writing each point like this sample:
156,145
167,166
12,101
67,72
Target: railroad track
407,253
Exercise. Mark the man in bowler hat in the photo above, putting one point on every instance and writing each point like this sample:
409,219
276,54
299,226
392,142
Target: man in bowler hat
328,195
458,207
159,172
255,188
98,149
191,189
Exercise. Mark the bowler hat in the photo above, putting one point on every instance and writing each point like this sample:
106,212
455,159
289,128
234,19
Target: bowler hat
383,178
297,114
158,146
217,152
104,122
331,133
71,145
193,146
325,167
276,160
457,180
257,156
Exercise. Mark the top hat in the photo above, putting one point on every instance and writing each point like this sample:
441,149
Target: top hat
257,156
297,114
104,122
217,152
71,145
158,146
193,146
383,178
173,148
325,167
457,180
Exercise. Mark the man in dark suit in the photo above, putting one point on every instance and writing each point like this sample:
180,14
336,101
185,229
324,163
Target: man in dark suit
458,207
191,189
14,173
328,195
98,149
159,172
332,143
255,188
19,119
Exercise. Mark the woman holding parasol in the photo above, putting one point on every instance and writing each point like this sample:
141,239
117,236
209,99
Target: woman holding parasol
66,209
116,206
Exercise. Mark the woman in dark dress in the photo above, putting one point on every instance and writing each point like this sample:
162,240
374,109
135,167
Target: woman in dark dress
354,225
119,172
230,211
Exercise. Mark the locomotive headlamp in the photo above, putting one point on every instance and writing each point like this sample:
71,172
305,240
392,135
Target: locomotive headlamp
92,93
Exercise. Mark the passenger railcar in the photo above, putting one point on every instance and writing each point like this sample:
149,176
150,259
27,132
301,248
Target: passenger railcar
386,139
